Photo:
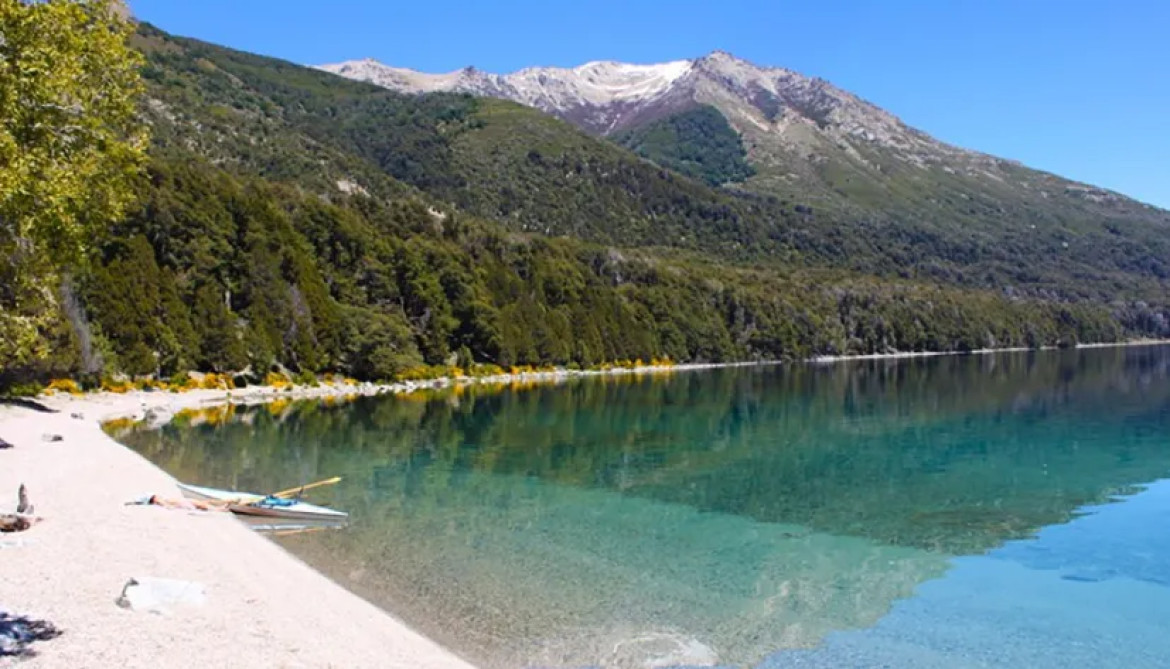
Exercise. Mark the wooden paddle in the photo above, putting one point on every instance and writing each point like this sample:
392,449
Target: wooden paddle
297,490
283,493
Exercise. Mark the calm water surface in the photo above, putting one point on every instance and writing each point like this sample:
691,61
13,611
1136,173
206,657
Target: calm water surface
985,511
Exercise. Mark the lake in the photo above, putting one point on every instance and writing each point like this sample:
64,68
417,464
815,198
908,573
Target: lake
998,510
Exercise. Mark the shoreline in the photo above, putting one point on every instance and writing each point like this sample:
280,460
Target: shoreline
158,406
982,351
264,606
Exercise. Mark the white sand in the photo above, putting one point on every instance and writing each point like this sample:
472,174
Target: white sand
264,607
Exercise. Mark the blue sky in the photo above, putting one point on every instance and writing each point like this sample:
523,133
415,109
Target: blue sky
1076,87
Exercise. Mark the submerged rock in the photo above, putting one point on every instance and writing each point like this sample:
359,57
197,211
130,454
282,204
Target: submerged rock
655,650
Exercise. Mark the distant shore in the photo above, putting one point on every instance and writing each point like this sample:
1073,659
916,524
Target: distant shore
264,606
982,351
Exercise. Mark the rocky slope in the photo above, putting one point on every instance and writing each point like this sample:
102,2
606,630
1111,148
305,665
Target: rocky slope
806,139
884,215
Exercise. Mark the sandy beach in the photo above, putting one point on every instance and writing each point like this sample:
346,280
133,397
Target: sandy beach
263,608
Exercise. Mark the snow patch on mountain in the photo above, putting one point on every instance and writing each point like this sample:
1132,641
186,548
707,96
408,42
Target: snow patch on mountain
773,104
595,83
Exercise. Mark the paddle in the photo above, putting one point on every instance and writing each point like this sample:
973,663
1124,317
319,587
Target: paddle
286,493
299,489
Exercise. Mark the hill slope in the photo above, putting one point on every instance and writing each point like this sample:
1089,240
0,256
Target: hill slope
292,218
935,210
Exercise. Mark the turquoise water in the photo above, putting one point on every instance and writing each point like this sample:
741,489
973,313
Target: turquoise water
982,511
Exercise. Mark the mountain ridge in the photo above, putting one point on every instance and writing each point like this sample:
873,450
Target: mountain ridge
803,134
606,82
535,173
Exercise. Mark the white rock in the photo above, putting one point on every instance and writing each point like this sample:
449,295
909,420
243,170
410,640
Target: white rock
159,595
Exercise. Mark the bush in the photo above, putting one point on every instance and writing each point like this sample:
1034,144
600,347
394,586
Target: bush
65,386
486,369
30,389
117,386
277,380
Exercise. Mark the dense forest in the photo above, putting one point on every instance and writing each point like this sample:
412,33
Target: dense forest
290,219
698,143
215,272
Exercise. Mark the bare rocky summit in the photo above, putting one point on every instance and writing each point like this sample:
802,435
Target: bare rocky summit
804,136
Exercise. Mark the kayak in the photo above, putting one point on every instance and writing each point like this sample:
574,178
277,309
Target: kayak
251,504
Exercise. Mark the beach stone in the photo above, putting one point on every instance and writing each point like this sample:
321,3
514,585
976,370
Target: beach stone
159,595
22,503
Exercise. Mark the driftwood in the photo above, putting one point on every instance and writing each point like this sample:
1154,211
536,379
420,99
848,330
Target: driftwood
16,522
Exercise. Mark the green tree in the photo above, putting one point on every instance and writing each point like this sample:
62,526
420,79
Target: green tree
70,144
220,348
127,302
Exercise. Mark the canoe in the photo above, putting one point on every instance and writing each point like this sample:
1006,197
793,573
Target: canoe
251,504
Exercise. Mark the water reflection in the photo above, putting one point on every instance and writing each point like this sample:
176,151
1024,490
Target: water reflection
1090,593
701,517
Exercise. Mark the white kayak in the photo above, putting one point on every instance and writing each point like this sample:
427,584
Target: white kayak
251,504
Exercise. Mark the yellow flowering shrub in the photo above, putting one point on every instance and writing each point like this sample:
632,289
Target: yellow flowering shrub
65,386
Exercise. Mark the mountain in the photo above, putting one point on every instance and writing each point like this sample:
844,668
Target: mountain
600,96
784,117
860,168
533,173
294,219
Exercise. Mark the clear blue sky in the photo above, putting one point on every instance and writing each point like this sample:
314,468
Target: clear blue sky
1077,87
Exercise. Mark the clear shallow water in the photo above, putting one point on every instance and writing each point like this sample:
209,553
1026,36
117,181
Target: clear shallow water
962,512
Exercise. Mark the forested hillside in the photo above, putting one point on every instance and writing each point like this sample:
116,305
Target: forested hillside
292,219
534,173
698,143
217,272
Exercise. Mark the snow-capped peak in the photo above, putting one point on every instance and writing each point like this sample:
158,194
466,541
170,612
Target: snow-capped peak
403,79
605,96
600,82
594,83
